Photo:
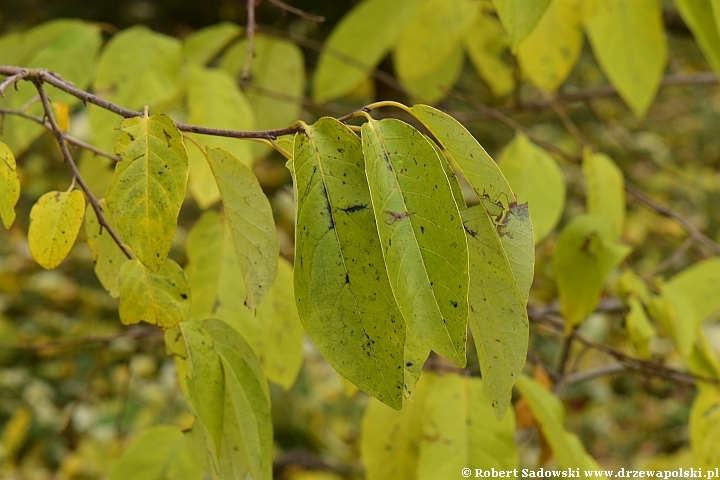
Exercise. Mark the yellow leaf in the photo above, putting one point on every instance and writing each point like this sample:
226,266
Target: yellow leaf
15,432
605,190
106,253
9,185
519,17
705,427
54,224
485,43
62,115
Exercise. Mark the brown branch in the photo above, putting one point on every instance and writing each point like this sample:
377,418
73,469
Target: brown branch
136,332
300,13
76,172
11,80
675,257
250,37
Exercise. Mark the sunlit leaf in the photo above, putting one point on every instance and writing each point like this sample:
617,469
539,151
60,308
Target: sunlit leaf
705,427
605,190
54,224
9,185
160,298
421,233
202,46
342,291
148,187
485,43
107,255
699,16
700,283
520,17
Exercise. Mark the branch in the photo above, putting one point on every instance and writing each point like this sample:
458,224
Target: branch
76,173
136,332
250,36
289,8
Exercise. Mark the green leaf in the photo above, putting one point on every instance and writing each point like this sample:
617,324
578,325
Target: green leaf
516,235
520,17
342,291
431,40
434,86
351,54
628,40
158,453
148,187
214,100
700,284
485,43
549,53
160,298
639,328
106,254
585,253
251,222
202,46
705,427
498,319
54,224
535,178
605,190
699,16
9,185
276,83
421,234
550,416
137,67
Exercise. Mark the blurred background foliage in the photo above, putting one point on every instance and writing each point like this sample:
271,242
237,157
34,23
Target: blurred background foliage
76,386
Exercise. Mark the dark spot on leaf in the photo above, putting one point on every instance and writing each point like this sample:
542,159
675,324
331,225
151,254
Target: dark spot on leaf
184,296
422,229
354,208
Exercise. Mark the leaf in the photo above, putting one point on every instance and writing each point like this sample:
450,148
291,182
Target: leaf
148,187
498,319
421,234
54,224
350,54
215,101
9,185
204,45
434,86
550,416
160,298
628,40
549,53
584,255
705,427
106,254
699,16
251,222
700,283
276,83
520,17
639,328
137,67
516,235
431,38
485,43
342,291
523,163
605,190
159,453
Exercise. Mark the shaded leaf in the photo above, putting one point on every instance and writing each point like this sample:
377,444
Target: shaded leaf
520,17
202,46
106,254
699,16
54,224
605,190
9,185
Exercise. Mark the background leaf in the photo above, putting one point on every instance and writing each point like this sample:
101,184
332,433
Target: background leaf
520,18
55,221
107,255
9,185
605,190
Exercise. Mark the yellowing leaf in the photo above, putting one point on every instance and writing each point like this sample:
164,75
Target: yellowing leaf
148,187
421,234
54,224
498,319
699,16
202,46
700,284
434,86
107,255
550,52
62,115
158,453
9,185
350,54
705,427
15,433
160,298
639,327
485,43
535,178
628,40
520,17
585,253
605,190
342,290
251,222
550,416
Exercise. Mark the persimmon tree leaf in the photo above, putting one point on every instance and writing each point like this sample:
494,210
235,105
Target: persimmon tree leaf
9,185
342,291
523,163
106,254
160,298
433,86
485,43
700,284
498,319
585,254
520,17
605,190
550,416
705,427
350,54
202,46
639,328
548,54
628,40
251,222
55,221
161,452
148,187
700,17
421,234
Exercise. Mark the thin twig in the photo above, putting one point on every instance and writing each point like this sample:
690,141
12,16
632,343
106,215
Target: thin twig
12,80
250,37
589,374
133,333
676,255
76,172
297,11
566,121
